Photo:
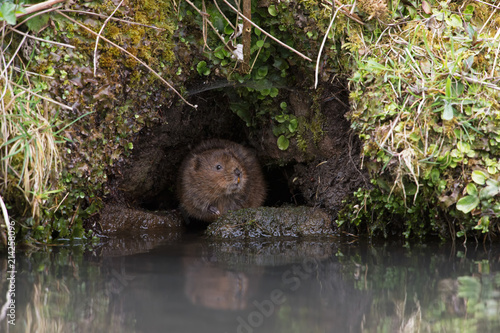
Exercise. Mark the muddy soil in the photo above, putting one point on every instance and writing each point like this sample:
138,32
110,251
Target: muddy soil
321,176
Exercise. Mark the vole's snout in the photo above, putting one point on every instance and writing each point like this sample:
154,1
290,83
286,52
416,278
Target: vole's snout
237,172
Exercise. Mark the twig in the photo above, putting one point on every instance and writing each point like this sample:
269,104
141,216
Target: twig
203,14
266,33
39,6
487,21
471,80
489,4
99,35
204,18
224,16
5,214
496,55
19,70
41,39
43,97
323,45
258,52
131,55
350,15
37,14
4,76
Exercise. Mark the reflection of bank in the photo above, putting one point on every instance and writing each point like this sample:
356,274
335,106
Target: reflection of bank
214,287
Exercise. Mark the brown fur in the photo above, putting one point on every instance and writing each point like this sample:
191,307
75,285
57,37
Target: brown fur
207,191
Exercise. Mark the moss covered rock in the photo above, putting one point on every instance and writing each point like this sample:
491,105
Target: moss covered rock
273,222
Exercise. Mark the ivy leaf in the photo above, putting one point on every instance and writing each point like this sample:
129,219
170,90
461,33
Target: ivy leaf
8,12
489,191
274,92
292,126
281,118
219,52
202,68
272,10
468,203
36,23
448,111
283,142
483,224
479,177
262,71
471,189
455,21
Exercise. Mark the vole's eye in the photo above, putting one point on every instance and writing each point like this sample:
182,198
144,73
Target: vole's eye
218,167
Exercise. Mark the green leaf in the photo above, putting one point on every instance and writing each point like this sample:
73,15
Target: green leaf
448,88
36,23
260,43
283,142
469,10
274,92
292,127
483,224
489,191
283,105
202,68
272,10
455,21
219,52
448,111
463,147
468,203
479,177
471,189
262,71
435,175
281,118
8,12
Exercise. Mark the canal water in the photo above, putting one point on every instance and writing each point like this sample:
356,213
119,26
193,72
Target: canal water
186,283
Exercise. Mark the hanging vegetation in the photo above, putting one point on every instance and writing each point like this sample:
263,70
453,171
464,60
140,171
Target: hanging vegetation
425,101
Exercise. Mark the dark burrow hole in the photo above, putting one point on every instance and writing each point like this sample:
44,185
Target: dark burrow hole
212,119
279,192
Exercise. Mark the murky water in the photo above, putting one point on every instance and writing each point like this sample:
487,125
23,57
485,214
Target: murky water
187,284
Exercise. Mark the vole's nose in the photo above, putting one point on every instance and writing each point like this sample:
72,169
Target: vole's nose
237,172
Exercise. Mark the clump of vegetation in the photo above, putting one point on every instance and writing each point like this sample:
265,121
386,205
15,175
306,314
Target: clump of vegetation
63,127
425,98
262,83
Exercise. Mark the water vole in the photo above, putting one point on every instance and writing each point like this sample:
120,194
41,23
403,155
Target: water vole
217,176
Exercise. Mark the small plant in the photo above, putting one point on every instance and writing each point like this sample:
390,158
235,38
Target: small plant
287,127
8,11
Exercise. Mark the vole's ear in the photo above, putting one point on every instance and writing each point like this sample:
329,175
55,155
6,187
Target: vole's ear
196,162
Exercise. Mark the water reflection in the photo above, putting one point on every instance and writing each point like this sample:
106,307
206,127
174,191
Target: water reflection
188,284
